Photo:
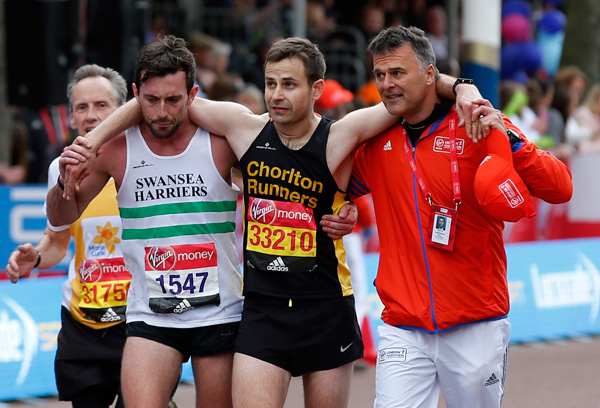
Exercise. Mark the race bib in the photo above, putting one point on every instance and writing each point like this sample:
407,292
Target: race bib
281,236
104,285
182,277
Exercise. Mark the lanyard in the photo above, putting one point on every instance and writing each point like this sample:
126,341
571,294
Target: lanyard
453,163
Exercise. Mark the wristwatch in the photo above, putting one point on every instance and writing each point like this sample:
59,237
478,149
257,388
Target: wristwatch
461,81
513,137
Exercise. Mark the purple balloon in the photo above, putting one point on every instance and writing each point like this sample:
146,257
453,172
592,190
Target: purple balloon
531,56
516,7
554,2
552,21
521,56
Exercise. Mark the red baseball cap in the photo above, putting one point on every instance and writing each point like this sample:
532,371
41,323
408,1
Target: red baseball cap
500,191
334,94
369,94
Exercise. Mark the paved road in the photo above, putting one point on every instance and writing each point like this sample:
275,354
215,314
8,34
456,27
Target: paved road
559,374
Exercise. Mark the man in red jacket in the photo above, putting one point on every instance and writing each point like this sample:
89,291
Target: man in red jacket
445,290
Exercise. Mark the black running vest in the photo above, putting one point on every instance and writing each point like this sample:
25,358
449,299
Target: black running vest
286,193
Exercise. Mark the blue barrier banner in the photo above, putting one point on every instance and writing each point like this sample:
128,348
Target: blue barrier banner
29,326
22,219
554,289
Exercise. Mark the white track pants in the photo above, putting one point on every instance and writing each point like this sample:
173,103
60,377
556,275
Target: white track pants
468,364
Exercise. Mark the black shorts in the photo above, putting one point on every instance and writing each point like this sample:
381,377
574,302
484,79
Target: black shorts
196,341
306,335
87,357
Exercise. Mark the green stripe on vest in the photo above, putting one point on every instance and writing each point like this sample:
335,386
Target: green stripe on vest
179,230
177,208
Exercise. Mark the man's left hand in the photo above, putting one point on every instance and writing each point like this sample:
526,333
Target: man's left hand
336,226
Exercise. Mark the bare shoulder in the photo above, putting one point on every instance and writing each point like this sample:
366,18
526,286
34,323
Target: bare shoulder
240,137
222,153
248,123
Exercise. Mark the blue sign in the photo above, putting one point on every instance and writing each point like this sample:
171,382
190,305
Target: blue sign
22,219
29,326
554,289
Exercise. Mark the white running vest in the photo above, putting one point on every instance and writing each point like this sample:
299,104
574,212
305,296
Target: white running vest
178,219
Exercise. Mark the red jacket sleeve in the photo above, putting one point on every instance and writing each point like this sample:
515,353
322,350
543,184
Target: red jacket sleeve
547,177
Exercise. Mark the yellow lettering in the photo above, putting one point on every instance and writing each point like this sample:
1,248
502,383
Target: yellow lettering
252,186
250,170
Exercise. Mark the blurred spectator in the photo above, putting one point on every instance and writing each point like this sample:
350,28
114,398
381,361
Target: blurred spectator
225,87
203,48
372,21
268,18
222,57
583,127
415,15
47,132
435,29
564,103
514,103
157,27
550,122
254,72
368,94
573,79
335,101
319,25
448,66
252,98
15,171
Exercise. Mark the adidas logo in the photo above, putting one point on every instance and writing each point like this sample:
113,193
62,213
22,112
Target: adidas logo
492,380
387,146
110,316
277,265
183,306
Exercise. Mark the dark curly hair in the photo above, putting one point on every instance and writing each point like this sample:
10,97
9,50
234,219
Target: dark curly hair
163,57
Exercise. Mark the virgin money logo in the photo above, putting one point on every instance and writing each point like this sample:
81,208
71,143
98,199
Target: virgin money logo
262,210
442,144
90,271
439,143
511,193
161,258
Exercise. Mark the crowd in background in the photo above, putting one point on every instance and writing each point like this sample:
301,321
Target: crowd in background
558,108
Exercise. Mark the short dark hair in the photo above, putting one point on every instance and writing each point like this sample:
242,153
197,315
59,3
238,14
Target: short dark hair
92,70
396,36
165,56
305,50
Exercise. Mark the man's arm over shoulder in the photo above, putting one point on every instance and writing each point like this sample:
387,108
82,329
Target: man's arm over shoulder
86,147
111,161
229,119
358,186
116,123
362,124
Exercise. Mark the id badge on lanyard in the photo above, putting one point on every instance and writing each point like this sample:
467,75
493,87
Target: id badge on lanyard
442,225
442,219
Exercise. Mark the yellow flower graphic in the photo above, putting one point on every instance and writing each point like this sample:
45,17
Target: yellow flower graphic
107,235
